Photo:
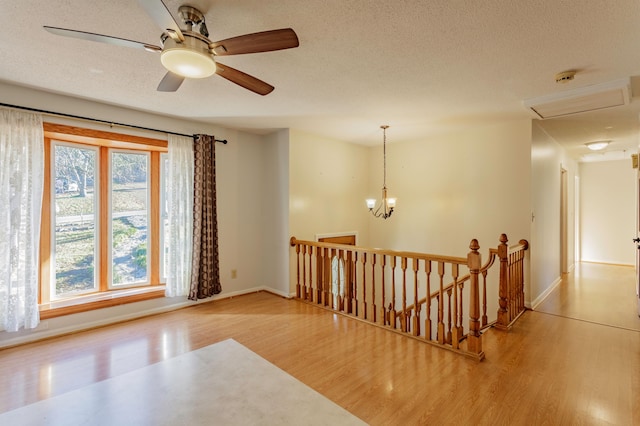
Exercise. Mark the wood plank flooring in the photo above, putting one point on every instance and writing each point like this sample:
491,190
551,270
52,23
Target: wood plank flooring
601,293
549,369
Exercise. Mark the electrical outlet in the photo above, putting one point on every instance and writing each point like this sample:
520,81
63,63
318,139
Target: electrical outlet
234,274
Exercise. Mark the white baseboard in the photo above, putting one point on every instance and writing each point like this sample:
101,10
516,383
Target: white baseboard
277,292
545,293
608,262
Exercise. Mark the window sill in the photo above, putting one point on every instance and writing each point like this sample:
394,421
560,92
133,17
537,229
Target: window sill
99,301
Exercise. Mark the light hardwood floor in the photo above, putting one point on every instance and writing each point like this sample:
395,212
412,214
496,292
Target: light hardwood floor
604,294
549,369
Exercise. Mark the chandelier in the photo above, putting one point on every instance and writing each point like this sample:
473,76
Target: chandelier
386,206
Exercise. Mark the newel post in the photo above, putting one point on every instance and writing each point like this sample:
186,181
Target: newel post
502,322
474,341
293,242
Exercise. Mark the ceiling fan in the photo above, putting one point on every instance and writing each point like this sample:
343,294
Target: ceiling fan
188,53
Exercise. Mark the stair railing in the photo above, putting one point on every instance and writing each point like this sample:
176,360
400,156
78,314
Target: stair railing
416,294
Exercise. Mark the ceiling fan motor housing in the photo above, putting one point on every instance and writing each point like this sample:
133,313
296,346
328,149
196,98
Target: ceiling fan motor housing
190,58
192,17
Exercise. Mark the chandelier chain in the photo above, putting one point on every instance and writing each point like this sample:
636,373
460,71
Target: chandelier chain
384,155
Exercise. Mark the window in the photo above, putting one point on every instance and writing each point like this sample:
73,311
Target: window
103,218
129,201
74,219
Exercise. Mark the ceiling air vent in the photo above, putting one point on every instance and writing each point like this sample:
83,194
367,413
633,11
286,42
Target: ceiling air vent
584,99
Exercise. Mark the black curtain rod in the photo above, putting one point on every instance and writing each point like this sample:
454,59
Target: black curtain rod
111,123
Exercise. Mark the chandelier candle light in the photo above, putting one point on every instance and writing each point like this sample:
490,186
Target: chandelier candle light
385,209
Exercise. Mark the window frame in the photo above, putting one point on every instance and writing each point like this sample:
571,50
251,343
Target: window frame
104,297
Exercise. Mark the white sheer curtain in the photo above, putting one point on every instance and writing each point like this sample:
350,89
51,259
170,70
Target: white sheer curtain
21,183
180,212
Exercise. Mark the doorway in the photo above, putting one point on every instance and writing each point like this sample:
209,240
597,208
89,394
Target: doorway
340,239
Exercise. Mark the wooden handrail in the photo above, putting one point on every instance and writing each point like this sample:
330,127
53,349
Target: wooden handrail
465,278
407,254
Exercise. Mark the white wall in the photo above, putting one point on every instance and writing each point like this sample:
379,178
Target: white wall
274,207
474,183
548,158
244,211
244,187
608,209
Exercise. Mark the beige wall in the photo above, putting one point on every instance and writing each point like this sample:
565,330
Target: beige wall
475,183
471,184
608,209
327,187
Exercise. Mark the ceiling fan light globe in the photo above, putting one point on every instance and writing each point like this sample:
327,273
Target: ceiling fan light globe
188,63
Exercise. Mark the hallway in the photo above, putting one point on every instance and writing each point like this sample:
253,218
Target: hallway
599,293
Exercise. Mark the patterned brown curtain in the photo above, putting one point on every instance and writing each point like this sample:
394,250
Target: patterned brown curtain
205,270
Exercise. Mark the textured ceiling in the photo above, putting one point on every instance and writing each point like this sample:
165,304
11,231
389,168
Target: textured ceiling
423,67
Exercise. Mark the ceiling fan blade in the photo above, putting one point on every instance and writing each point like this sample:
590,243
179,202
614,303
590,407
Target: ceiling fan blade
170,82
102,38
244,80
161,15
265,41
